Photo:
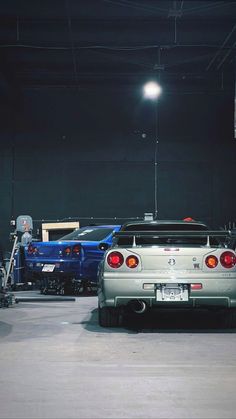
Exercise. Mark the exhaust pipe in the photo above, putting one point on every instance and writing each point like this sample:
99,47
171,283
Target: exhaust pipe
138,306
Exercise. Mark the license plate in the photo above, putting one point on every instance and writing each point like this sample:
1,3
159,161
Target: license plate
172,292
48,268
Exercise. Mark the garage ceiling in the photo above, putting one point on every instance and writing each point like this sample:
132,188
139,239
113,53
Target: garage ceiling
71,43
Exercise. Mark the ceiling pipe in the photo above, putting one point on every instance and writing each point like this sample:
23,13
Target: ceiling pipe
221,47
226,55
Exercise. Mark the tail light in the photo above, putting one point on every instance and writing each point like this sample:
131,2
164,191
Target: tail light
132,261
211,261
228,259
67,251
32,250
196,286
115,259
76,249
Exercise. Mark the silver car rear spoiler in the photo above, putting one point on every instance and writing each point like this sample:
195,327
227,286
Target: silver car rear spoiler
173,233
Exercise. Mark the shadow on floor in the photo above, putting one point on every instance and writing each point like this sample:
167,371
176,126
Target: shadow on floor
165,321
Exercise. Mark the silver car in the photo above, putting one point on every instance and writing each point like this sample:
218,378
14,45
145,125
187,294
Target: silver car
178,264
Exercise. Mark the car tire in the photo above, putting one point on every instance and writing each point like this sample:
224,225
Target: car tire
229,321
108,316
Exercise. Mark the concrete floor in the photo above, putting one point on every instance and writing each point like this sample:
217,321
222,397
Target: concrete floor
56,362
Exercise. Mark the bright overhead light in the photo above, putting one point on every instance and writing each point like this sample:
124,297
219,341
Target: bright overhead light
152,90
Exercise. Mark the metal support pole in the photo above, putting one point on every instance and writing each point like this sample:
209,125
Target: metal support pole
11,260
156,164
155,183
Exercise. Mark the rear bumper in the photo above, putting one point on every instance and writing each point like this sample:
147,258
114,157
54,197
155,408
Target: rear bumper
118,290
61,269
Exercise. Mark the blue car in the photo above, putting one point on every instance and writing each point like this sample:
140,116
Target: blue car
70,263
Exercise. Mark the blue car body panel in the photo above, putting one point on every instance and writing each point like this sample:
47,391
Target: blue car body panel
81,265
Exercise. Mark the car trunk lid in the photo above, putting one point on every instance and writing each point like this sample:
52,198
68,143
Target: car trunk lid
177,258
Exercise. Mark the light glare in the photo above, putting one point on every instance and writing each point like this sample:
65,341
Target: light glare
152,90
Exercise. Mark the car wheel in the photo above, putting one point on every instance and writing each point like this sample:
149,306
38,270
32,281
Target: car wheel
230,318
108,316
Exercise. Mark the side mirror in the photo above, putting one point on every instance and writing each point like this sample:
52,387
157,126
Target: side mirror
103,246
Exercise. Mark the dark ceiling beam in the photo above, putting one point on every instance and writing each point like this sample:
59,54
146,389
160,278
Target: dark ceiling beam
137,47
226,56
176,13
98,75
138,6
171,88
16,20
221,47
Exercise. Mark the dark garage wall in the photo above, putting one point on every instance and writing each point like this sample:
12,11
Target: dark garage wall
90,153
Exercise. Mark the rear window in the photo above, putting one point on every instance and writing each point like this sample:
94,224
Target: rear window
88,234
196,241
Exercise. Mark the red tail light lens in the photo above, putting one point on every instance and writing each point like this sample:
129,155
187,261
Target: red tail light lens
76,249
195,287
67,251
115,259
228,259
132,261
32,250
211,261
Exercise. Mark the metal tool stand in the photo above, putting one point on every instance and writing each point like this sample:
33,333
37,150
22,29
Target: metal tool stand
10,266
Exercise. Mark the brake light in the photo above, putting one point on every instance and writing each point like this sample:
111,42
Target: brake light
196,287
32,250
228,259
115,259
132,261
76,249
67,251
211,261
